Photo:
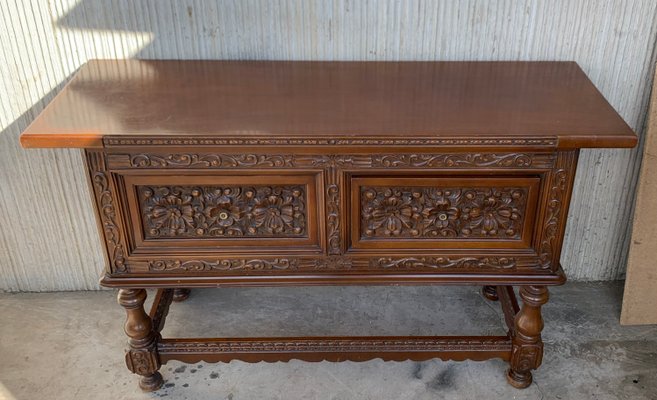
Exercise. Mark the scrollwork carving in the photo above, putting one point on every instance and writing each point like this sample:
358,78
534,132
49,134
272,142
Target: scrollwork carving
190,160
452,160
553,223
332,263
444,262
106,204
332,163
224,265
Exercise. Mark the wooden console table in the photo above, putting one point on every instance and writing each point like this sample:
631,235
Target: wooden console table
211,174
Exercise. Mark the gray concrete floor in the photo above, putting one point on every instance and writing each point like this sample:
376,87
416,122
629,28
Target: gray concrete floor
70,345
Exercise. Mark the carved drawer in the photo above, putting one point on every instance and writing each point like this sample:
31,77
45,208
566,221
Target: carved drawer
222,213
467,212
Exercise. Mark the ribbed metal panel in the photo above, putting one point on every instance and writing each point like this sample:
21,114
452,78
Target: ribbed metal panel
47,234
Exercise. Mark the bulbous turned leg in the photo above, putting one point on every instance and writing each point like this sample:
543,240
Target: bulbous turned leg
141,357
181,294
527,351
490,292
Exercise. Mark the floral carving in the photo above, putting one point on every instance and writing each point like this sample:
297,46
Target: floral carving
274,214
425,212
170,213
494,212
257,211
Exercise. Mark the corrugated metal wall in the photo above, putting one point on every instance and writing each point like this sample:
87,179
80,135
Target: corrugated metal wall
47,228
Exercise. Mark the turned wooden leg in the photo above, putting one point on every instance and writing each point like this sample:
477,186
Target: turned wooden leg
141,357
527,351
490,292
181,294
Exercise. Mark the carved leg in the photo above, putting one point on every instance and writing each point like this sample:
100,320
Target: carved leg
141,357
490,292
181,294
527,350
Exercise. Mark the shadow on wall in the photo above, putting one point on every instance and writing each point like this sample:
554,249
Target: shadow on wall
195,33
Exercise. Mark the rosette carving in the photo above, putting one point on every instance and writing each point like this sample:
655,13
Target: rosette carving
426,212
223,211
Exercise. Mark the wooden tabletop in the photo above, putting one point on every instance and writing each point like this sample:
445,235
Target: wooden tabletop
293,99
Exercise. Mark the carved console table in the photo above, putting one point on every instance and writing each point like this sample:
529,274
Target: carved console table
211,174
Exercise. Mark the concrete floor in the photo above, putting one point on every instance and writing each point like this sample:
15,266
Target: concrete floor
70,345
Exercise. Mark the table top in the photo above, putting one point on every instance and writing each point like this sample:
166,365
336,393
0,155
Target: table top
301,99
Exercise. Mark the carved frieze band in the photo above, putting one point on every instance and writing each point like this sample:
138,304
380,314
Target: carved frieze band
445,262
337,263
218,161
451,212
191,160
275,264
106,205
548,142
223,211
321,345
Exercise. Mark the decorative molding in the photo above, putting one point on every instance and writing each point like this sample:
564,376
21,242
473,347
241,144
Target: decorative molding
548,142
210,160
334,345
142,362
162,301
443,212
333,176
223,211
385,161
106,205
454,160
334,263
279,264
560,179
444,262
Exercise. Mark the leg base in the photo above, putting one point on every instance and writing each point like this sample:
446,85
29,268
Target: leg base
151,383
181,294
490,292
518,380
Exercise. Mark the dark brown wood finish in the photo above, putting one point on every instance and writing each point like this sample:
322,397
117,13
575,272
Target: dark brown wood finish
210,174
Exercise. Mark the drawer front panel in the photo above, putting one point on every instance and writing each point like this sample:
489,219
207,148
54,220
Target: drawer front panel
221,213
467,212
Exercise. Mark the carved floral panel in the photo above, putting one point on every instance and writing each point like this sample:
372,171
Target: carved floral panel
223,211
444,212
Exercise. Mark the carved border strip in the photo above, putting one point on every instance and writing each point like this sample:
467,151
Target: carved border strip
561,180
321,345
548,142
333,182
106,205
385,161
444,262
277,265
